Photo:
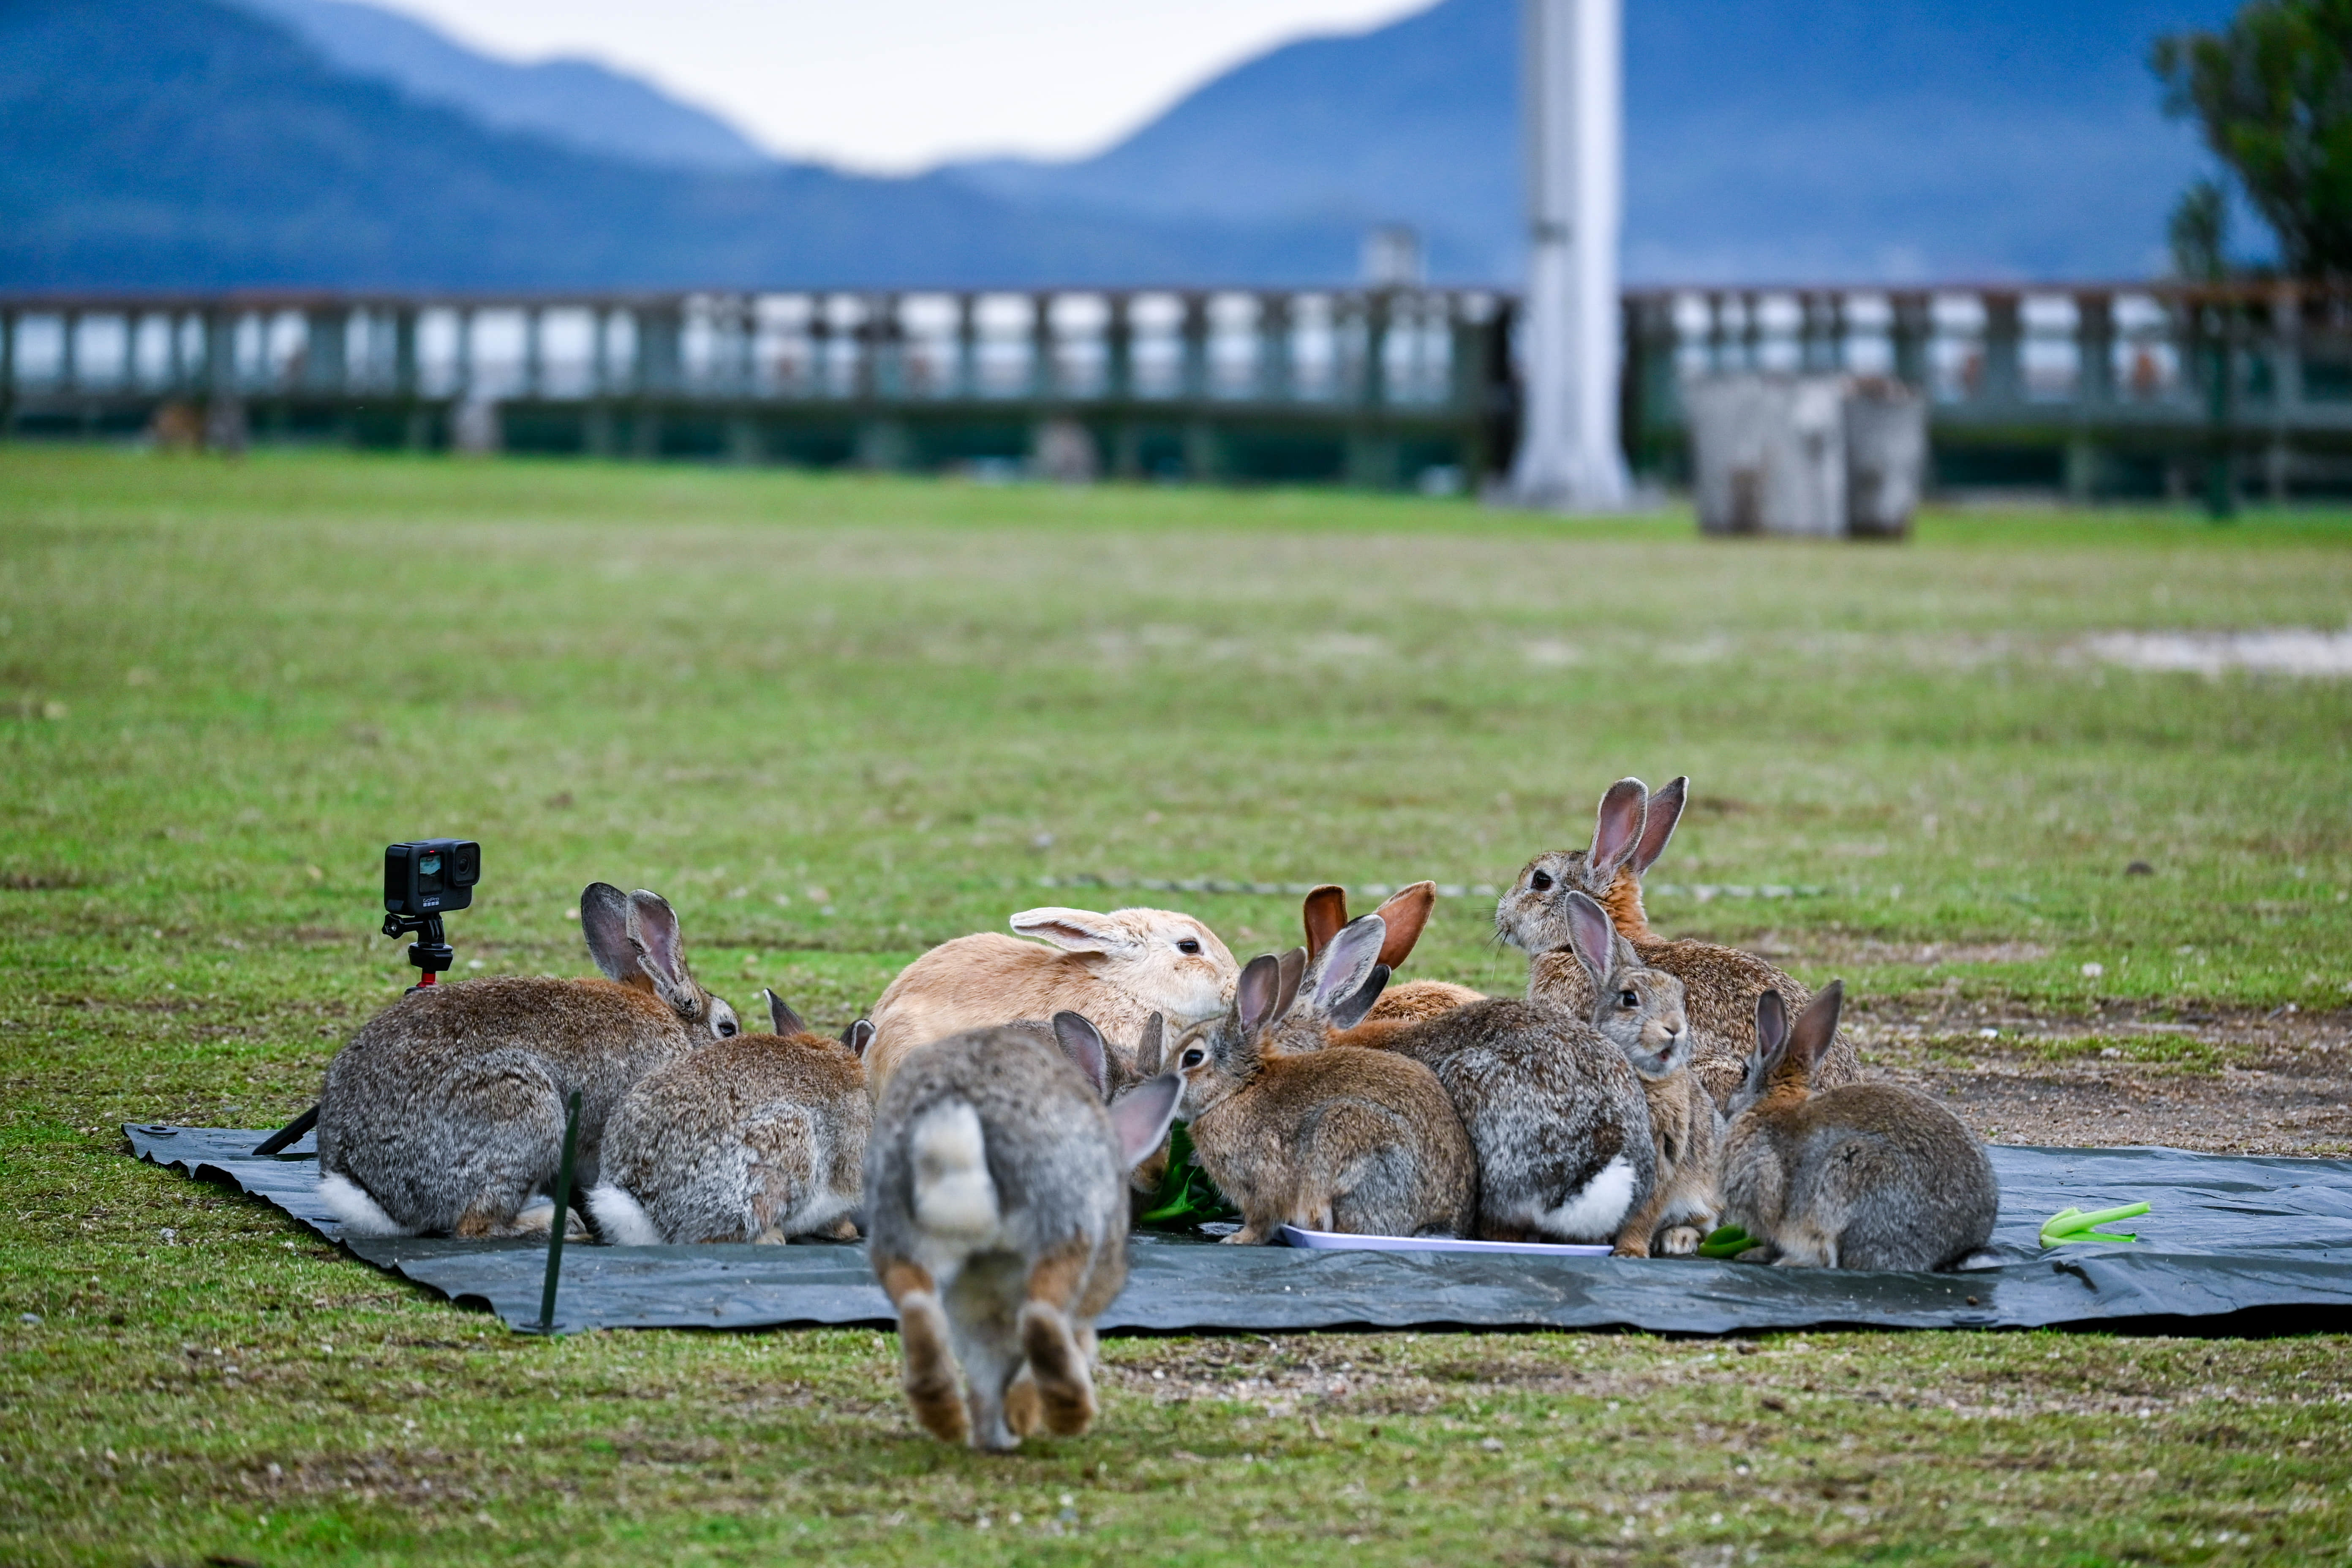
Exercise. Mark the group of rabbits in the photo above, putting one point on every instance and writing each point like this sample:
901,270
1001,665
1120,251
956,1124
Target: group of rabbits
986,1125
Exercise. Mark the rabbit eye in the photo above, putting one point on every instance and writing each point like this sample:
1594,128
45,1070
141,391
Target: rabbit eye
1187,945
1195,1057
1627,999
726,1028
1540,881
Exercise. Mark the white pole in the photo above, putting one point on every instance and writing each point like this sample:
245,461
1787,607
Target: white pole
1569,456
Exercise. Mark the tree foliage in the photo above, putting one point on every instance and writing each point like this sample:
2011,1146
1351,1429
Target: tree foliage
2273,91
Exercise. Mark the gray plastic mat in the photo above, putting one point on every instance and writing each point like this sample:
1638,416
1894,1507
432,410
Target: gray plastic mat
2270,1239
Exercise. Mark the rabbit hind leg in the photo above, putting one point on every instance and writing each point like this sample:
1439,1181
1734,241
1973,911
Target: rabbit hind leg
930,1372
1057,1359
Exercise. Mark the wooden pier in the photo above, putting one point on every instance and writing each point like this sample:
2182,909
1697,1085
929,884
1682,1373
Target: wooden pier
2091,390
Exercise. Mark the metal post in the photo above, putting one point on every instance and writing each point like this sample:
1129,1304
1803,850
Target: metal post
1192,331
1119,350
556,1226
1914,326
1574,65
1043,379
967,346
1274,348
2004,333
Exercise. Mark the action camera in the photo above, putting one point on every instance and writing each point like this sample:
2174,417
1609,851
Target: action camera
430,876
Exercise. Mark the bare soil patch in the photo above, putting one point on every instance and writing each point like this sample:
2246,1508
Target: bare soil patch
2223,1082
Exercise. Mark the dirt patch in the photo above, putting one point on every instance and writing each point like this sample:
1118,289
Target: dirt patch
2245,1083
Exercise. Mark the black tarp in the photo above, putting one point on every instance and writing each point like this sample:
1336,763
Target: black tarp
2233,1240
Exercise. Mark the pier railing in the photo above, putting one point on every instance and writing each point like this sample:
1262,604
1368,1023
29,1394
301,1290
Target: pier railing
1374,385
2093,388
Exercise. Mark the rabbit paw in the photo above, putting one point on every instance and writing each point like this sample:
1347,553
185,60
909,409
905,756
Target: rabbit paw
1631,1249
1680,1241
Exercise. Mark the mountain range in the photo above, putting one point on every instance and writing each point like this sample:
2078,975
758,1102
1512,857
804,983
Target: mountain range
166,144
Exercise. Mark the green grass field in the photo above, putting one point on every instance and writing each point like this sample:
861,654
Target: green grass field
835,720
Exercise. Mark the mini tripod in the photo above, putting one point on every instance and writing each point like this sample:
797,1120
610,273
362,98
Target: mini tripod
432,955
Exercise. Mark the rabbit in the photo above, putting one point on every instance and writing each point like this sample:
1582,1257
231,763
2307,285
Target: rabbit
1116,969
1116,1075
1324,1137
997,1205
1865,1175
1404,915
1553,1109
1639,1011
1719,983
759,1138
444,1115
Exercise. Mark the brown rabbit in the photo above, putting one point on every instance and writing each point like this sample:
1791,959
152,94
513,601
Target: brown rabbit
759,1138
1116,1074
1116,969
1342,1138
446,1112
1404,915
1868,1176
1719,983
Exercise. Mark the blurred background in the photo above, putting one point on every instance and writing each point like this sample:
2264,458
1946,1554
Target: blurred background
1273,241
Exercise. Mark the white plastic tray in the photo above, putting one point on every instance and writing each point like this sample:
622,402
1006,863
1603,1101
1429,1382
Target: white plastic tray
1331,1240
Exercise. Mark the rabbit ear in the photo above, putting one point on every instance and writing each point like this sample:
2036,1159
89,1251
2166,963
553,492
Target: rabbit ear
1294,966
1662,810
652,931
1405,914
1140,1118
1616,830
785,1020
1083,1044
1076,930
1349,961
1257,992
1771,1023
1325,911
1592,936
1152,1047
1351,1009
1810,1036
604,921
858,1035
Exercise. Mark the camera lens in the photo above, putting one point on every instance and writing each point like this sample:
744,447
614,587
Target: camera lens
429,864
465,865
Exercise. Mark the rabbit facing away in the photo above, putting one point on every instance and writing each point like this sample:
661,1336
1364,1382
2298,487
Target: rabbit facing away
1404,913
1116,1074
1720,983
1337,1137
1864,1175
1117,969
1639,1010
997,1205
444,1114
1554,1111
759,1138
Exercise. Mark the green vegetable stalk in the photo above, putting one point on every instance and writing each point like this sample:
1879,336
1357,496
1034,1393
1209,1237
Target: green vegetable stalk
1725,1241
2072,1224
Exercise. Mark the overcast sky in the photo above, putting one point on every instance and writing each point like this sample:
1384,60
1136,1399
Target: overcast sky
898,84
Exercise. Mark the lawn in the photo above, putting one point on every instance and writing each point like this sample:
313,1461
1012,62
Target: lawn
837,720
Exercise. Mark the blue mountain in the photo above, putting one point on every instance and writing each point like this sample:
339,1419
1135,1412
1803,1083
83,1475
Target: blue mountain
1833,139
588,105
182,144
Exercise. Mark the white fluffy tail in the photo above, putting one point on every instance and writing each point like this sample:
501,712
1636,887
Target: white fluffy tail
1595,1213
953,1194
360,1215
621,1218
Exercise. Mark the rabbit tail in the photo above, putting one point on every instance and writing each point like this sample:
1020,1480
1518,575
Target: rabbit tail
954,1195
621,1220
360,1214
1598,1207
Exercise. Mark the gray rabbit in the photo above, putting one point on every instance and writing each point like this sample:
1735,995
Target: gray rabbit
1553,1109
444,1115
996,1209
1640,1010
1866,1175
759,1138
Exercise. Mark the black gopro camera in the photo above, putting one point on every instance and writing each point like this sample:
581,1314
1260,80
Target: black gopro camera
430,876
